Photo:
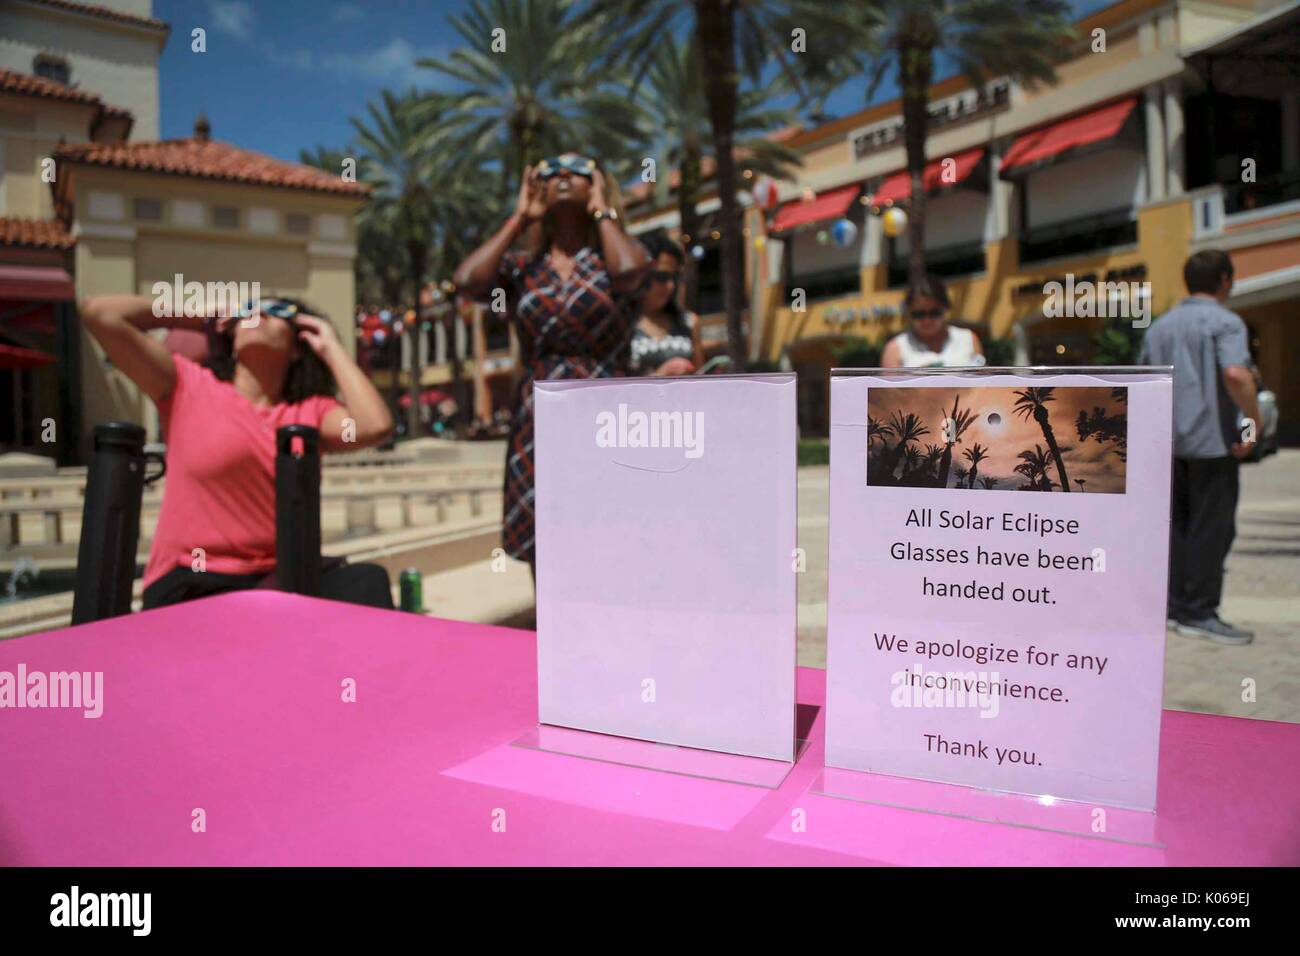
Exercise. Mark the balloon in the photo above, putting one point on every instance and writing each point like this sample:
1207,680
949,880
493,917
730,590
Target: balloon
697,252
894,221
766,193
380,336
843,232
823,237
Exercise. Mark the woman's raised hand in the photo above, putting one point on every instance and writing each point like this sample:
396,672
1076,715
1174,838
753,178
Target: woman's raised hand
532,196
596,202
317,333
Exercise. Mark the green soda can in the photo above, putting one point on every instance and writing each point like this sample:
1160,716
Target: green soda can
412,587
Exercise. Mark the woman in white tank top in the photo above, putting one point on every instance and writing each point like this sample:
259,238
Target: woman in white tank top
931,342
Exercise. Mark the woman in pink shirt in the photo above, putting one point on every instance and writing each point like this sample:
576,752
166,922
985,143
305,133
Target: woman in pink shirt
279,366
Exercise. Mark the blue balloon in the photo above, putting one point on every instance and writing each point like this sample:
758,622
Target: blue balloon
843,232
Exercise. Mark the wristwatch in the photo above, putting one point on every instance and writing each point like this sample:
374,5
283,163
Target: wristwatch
607,213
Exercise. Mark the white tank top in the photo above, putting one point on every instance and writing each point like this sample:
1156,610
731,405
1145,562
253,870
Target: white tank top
958,351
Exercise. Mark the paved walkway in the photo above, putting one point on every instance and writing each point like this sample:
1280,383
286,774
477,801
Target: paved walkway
1262,592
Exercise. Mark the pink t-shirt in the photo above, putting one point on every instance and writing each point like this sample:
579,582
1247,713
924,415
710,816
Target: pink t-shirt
220,485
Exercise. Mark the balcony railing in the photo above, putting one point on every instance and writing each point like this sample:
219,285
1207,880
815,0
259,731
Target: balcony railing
829,283
950,263
1268,191
1117,227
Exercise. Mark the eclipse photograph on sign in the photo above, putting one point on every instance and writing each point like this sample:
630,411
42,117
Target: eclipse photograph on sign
1061,439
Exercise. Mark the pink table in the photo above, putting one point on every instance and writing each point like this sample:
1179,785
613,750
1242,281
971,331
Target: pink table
234,706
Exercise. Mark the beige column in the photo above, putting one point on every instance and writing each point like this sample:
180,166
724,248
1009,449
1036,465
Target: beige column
1157,145
1175,138
997,223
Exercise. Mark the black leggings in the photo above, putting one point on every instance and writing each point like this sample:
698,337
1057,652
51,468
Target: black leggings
354,583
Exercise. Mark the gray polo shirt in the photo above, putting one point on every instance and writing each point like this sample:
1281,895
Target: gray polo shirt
1199,337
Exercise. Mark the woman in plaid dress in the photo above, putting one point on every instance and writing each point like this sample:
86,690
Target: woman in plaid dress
571,303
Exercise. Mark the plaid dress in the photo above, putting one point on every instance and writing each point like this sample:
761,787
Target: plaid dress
574,328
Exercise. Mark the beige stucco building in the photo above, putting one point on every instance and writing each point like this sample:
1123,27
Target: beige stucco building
90,205
1135,158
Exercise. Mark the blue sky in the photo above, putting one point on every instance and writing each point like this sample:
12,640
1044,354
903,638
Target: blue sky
280,75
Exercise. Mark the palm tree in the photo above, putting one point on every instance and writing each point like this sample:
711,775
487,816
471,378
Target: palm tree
962,419
876,430
933,454
1034,465
975,454
542,94
912,463
677,115
1032,403
1018,39
735,38
989,482
427,198
907,429
959,471
1080,482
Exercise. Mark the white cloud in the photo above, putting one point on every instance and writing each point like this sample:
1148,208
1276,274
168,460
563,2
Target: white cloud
393,63
347,13
232,17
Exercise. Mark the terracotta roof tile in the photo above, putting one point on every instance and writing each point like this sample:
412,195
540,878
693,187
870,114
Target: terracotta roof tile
34,233
209,159
24,84
104,13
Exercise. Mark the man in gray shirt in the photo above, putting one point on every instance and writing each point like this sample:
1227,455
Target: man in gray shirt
1215,411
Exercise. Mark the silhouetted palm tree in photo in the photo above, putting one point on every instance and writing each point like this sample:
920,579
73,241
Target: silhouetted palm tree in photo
975,454
962,419
875,430
907,429
913,461
1033,466
985,39
1032,403
959,472
1080,482
989,482
933,454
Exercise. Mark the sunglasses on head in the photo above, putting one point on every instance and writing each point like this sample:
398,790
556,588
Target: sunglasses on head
928,314
577,165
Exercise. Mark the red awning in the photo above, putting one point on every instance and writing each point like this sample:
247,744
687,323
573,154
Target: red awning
830,204
899,185
15,357
1084,129
36,283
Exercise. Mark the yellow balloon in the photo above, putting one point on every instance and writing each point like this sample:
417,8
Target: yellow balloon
894,220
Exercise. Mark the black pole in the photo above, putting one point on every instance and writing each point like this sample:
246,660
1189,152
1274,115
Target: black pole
297,509
110,523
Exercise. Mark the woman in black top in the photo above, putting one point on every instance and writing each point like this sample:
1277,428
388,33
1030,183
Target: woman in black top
666,338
